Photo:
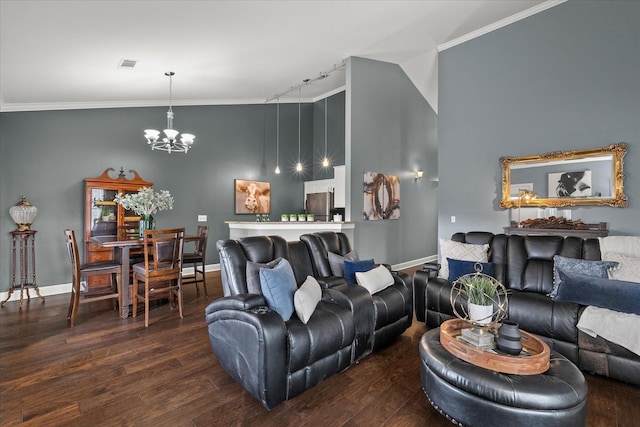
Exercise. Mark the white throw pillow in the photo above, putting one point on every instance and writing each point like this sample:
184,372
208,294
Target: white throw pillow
461,251
306,299
628,268
375,280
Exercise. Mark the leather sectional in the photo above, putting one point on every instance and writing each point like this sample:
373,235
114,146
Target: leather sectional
276,360
524,264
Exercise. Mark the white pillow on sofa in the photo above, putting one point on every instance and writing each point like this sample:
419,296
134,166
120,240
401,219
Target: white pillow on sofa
375,279
461,251
306,299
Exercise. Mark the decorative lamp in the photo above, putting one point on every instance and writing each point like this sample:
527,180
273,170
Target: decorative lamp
23,214
170,142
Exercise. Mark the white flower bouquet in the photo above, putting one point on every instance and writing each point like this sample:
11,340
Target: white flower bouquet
146,201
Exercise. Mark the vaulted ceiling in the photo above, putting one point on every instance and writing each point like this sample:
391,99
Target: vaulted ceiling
65,54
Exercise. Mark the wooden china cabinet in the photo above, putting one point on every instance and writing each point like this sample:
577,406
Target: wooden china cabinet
104,217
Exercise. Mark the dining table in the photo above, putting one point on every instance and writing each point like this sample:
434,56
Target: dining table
122,251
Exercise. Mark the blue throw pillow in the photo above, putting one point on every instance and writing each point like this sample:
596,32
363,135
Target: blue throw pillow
278,287
580,266
353,267
458,268
605,293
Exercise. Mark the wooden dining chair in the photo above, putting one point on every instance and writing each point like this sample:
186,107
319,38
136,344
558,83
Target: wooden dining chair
161,271
80,271
197,259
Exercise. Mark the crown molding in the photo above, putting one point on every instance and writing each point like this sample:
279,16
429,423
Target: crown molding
502,23
52,106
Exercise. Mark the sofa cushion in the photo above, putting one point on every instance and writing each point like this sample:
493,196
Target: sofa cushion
628,268
307,298
581,266
336,261
278,286
458,268
253,274
353,267
606,293
375,279
462,251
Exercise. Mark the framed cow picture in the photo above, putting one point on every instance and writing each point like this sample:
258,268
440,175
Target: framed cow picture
252,197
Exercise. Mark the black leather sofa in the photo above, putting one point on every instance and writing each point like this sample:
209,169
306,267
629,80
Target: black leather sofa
276,360
393,306
524,264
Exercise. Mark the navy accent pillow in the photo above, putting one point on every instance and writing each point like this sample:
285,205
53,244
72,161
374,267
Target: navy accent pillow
278,287
353,267
605,293
580,266
458,268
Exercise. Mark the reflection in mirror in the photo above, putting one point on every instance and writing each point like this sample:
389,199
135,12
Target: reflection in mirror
567,178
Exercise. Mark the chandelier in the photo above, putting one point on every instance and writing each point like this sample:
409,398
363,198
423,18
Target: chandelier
170,142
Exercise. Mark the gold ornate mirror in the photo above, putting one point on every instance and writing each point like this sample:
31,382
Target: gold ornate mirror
565,178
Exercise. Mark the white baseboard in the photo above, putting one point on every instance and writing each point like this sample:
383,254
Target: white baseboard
65,288
414,262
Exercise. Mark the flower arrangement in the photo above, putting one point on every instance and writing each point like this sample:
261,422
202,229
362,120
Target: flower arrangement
146,201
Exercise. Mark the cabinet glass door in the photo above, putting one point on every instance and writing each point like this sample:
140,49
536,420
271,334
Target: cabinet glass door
104,212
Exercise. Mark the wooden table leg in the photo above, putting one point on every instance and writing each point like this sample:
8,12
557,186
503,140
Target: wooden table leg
125,288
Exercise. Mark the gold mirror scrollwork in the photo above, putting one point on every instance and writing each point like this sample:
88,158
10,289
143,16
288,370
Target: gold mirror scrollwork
536,168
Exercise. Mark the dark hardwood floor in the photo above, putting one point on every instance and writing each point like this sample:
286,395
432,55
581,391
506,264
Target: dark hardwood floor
109,371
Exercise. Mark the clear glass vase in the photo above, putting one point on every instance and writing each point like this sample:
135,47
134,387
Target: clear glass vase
146,223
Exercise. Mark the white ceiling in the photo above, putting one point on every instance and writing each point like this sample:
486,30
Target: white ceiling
64,54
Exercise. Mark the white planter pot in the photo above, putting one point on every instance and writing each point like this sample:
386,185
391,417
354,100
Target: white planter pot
481,314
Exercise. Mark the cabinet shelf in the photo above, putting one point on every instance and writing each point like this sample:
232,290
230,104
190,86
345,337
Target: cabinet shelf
104,203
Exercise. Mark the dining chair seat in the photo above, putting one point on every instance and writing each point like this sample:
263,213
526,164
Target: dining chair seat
80,271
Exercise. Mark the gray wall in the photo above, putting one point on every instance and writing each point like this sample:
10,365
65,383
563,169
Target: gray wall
393,131
335,135
564,79
46,155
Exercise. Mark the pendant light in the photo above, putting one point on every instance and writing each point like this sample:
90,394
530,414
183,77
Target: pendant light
325,159
299,164
278,137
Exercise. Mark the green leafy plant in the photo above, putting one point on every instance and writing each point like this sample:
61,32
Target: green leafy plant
146,201
478,289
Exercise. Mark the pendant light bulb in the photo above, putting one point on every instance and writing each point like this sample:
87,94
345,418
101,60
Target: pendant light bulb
325,162
277,169
299,167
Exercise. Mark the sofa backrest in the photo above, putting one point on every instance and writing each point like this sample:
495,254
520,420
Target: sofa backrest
234,255
525,263
320,244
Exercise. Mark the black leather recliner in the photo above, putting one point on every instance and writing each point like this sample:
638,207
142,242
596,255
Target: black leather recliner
393,306
524,264
272,359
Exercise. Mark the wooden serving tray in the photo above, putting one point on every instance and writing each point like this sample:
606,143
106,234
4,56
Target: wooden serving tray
536,362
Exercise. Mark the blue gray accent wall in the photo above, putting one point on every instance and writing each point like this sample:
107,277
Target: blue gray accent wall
335,134
45,155
567,78
392,131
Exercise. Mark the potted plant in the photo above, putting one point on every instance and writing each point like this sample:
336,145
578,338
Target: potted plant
106,215
480,291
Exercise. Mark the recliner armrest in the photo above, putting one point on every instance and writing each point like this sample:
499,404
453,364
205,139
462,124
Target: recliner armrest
329,282
236,302
432,268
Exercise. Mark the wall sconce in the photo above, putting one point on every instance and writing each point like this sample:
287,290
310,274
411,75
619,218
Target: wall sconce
417,175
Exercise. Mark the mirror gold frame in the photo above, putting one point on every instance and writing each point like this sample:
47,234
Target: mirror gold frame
616,198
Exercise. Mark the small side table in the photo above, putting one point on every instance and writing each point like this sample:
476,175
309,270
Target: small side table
27,243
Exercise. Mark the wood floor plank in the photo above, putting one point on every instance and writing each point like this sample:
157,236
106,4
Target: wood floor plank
108,371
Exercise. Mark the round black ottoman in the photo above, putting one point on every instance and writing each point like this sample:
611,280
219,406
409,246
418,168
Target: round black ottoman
472,396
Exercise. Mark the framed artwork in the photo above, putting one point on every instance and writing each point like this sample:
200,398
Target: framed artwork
381,196
252,197
570,184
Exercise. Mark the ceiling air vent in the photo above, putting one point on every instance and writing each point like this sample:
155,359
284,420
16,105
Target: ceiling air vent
127,63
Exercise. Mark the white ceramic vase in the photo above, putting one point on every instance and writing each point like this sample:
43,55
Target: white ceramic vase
481,314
